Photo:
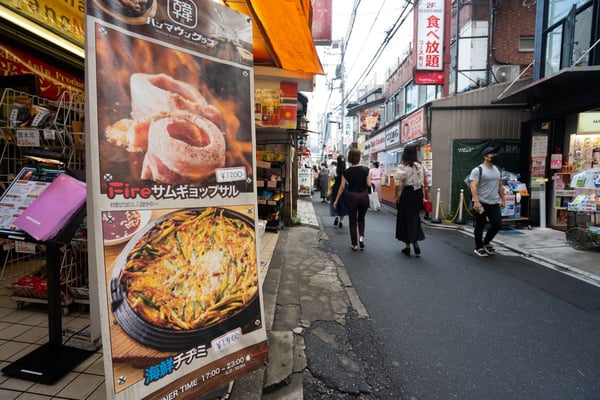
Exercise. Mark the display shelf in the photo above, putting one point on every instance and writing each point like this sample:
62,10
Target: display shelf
562,194
271,185
32,122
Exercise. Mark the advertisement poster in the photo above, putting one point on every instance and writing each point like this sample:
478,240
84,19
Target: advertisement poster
172,210
412,126
304,181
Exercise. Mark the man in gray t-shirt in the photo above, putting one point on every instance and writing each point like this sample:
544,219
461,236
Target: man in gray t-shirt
487,192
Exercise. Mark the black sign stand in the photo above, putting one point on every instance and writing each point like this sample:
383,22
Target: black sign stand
53,360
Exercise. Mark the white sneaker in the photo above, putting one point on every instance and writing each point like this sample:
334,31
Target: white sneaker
489,249
480,252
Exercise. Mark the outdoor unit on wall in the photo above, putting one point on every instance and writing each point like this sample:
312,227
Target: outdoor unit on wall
505,73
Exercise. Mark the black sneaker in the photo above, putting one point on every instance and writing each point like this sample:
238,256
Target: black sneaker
481,252
335,221
489,249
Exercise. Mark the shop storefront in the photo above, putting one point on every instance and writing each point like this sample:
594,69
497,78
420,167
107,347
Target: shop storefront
43,109
386,147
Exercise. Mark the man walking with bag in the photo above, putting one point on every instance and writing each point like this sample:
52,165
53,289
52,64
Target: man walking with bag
487,192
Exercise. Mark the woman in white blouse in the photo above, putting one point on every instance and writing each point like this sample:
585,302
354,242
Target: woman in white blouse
410,187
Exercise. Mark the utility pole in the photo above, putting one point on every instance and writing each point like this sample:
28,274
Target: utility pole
342,89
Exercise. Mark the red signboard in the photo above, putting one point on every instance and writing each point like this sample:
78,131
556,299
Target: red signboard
321,22
288,108
428,77
52,81
430,35
412,126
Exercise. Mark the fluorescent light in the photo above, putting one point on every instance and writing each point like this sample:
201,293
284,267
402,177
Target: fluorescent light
37,30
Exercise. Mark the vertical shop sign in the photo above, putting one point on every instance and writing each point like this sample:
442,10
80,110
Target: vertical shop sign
288,109
428,162
539,152
172,209
321,22
430,35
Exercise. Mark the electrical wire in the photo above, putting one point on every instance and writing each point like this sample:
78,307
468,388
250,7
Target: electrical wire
372,26
389,35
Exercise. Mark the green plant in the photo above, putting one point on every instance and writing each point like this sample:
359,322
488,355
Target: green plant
295,218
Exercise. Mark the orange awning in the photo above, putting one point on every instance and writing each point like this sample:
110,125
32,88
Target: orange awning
281,33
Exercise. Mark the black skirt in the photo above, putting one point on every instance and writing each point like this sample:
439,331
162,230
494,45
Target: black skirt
408,218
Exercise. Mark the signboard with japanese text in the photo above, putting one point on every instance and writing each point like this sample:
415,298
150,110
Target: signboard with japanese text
304,181
430,35
321,22
413,126
172,210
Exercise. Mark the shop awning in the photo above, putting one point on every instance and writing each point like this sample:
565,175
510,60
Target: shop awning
581,80
281,34
281,31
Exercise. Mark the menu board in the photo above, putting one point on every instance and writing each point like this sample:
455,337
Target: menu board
171,167
29,183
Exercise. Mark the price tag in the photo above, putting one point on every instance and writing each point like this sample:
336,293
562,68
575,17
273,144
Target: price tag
226,340
25,247
28,138
231,174
49,134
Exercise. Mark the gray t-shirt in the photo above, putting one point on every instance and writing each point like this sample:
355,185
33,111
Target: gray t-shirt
488,183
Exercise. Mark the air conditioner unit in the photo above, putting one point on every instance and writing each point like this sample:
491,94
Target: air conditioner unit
506,73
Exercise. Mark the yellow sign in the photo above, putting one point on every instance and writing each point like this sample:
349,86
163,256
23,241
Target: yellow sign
589,122
62,17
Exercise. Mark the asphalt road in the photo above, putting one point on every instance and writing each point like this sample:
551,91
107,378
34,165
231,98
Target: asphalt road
450,325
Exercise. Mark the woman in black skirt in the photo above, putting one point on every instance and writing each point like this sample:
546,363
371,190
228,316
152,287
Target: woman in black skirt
411,188
356,178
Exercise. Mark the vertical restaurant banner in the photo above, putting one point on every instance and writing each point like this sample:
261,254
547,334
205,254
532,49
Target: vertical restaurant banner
428,162
172,210
430,35
539,152
321,22
304,181
288,109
